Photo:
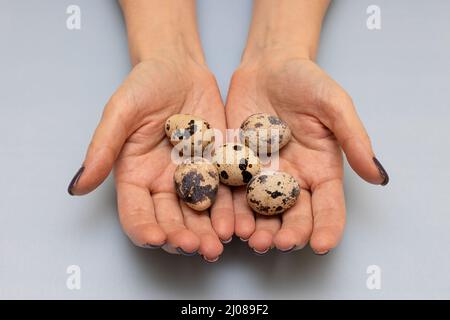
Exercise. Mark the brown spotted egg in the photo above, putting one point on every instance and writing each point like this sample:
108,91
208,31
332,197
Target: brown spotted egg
196,183
193,132
236,164
272,192
264,133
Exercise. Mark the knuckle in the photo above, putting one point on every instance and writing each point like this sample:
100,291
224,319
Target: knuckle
339,104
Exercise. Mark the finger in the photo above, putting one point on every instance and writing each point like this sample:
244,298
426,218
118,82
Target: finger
104,148
199,222
170,218
328,205
296,225
262,239
222,215
343,120
244,216
137,216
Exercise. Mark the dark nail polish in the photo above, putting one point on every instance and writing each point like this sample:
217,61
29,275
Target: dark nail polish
383,172
187,254
226,241
288,250
74,180
211,261
321,253
260,253
151,246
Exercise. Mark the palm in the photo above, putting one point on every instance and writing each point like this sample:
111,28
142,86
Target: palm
295,91
145,158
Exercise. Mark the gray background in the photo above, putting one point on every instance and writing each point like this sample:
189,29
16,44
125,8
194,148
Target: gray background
54,83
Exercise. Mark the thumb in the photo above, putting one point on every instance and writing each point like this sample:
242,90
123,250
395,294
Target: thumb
343,120
105,146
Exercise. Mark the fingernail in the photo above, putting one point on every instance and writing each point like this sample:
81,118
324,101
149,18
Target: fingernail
151,246
383,172
227,241
74,180
288,250
260,253
242,239
211,261
321,253
184,253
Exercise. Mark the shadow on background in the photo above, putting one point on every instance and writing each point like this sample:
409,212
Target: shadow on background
192,276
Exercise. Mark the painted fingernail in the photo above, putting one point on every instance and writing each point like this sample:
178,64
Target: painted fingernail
74,180
187,254
260,253
211,261
383,172
287,250
226,241
242,239
151,246
321,253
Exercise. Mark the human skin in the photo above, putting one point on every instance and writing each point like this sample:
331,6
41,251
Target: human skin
278,75
169,76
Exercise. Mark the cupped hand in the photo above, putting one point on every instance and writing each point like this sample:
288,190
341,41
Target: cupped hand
130,137
323,121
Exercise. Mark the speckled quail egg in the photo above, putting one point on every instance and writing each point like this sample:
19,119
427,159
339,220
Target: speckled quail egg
272,192
236,164
194,132
196,183
264,133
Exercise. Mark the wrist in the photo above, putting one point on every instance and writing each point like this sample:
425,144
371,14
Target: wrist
162,30
256,52
288,27
173,46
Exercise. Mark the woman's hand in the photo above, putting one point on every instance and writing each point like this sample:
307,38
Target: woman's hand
131,138
277,76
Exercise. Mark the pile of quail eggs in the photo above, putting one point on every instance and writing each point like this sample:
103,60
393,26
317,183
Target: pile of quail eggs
234,164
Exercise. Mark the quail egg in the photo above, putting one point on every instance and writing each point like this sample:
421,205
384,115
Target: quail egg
196,183
264,133
272,192
193,132
236,164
